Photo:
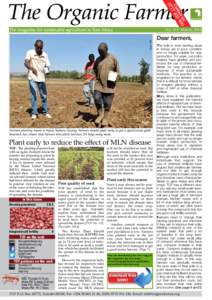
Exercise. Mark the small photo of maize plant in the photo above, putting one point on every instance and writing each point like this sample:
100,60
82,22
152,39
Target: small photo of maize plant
81,163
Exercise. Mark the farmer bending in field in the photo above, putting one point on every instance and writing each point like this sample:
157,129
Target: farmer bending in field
89,75
37,63
106,68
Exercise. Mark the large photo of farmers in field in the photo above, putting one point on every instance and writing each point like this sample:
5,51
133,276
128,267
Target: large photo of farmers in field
81,81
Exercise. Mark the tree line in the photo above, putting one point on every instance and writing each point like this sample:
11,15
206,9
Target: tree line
143,77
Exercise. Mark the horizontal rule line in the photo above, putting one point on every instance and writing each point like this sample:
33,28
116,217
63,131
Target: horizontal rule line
103,29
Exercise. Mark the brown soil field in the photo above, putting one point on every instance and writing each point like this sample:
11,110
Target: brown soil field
131,106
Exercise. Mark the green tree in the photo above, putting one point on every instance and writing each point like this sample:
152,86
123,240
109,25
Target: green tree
144,69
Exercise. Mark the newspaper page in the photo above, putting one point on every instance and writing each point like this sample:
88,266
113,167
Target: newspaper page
102,135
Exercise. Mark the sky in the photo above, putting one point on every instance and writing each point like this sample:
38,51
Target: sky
70,51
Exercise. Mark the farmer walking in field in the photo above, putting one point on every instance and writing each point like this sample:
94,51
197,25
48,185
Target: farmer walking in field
89,75
37,63
106,68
